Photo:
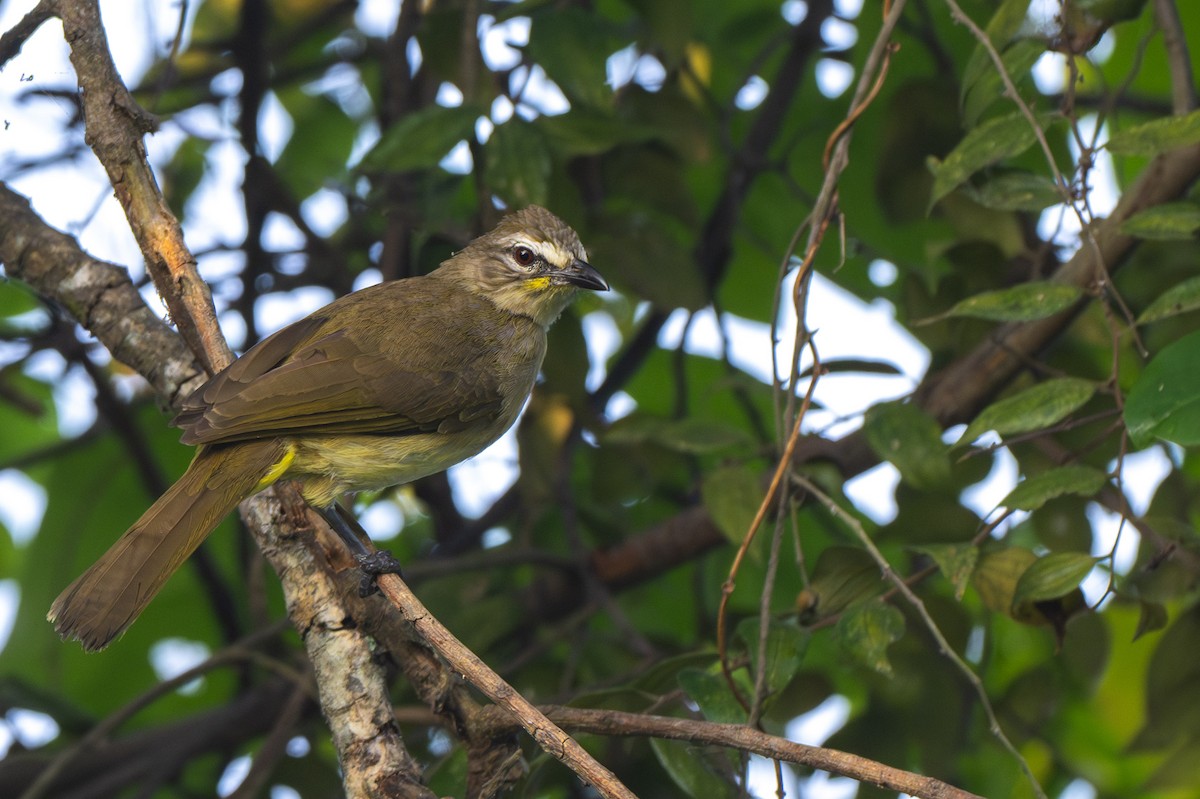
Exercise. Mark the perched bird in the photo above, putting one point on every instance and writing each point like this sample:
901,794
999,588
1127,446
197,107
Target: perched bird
378,388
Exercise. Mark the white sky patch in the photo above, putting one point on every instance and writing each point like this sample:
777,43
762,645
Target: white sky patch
1141,475
275,127
458,161
480,481
1059,223
499,41
276,309
838,33
171,657
449,95
984,496
752,94
538,94
325,211
233,775
794,11
874,492
10,595
833,77
376,18
1105,527
630,65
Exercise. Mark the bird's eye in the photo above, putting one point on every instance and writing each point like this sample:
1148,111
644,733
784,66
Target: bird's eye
523,255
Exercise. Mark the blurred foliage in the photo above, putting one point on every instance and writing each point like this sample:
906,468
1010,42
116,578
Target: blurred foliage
684,141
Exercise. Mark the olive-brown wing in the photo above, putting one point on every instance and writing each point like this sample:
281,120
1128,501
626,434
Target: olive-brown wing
316,377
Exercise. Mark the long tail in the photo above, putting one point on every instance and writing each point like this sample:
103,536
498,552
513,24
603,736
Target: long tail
106,598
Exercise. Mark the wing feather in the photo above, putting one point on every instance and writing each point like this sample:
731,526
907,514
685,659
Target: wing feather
317,377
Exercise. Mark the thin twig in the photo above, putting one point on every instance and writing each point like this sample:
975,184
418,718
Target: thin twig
943,645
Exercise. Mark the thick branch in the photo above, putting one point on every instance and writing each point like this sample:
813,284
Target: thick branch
115,127
98,294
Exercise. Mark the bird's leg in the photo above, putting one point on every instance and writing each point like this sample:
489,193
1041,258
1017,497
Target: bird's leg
372,562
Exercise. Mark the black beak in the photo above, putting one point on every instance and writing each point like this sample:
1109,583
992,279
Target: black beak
581,273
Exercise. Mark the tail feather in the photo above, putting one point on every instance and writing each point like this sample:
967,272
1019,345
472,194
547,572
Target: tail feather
113,592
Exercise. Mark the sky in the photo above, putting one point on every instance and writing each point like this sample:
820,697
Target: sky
77,198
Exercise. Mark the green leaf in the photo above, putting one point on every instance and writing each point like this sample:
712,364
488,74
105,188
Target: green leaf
1052,576
910,440
988,87
711,693
691,769
867,630
732,495
518,163
1022,303
573,46
1035,408
1034,492
843,575
586,131
1164,403
994,140
996,576
320,145
786,645
421,139
1016,191
1176,300
1168,222
1157,136
956,562
1151,616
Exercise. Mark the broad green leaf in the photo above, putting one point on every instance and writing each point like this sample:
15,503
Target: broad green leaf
988,87
911,440
732,495
573,46
692,769
1034,492
1157,136
867,630
1052,576
786,645
996,576
320,145
691,435
1176,300
421,139
1169,222
1016,191
590,132
1035,408
518,163
843,575
16,298
1151,616
711,693
1164,403
1022,303
994,140
956,562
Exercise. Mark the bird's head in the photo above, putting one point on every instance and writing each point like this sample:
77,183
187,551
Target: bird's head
532,263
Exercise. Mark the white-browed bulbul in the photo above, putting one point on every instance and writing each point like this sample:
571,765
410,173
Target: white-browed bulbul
378,388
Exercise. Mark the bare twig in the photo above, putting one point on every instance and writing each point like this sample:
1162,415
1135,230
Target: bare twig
944,646
748,739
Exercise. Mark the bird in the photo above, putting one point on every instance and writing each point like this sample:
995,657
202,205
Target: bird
381,387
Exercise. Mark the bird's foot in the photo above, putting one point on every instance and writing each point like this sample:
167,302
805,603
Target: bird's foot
376,563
